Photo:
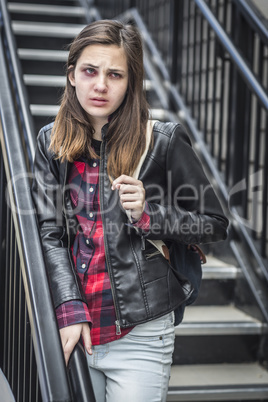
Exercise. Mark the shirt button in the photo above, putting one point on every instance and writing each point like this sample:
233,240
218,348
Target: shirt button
91,214
94,164
87,241
83,266
91,189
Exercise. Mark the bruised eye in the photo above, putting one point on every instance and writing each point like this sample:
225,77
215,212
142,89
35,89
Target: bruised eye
90,71
115,75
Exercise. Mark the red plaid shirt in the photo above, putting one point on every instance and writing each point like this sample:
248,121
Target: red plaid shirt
89,256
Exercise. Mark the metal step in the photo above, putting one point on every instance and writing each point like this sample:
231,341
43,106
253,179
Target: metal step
61,2
218,320
45,9
57,80
217,269
44,80
223,382
28,28
52,110
43,55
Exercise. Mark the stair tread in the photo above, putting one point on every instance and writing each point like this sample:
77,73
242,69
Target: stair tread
44,80
202,375
58,80
215,314
43,54
46,9
218,320
218,269
216,262
49,29
52,110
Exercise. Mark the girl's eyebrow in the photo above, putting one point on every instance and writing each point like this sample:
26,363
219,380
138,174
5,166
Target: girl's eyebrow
87,65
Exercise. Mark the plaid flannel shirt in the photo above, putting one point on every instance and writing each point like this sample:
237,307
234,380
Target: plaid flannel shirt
89,256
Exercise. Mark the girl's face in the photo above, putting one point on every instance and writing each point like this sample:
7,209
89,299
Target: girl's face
100,79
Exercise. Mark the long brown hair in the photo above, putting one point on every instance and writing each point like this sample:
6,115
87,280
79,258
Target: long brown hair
72,131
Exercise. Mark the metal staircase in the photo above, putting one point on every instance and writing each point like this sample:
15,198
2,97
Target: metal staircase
220,350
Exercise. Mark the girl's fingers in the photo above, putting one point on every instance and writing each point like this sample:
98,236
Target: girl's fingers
87,338
124,179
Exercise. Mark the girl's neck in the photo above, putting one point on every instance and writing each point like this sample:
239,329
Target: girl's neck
97,125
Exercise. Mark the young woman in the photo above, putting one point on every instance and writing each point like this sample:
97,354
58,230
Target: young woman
109,283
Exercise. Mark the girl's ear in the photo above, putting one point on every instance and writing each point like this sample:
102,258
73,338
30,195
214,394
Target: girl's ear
71,76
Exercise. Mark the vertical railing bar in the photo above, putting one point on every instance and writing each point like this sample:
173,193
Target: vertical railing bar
188,53
175,45
257,131
23,331
231,102
229,123
246,159
12,335
14,319
10,329
20,332
25,360
182,83
193,101
265,195
12,296
248,117
222,98
200,71
6,339
214,90
2,260
17,315
221,112
180,42
207,83
213,105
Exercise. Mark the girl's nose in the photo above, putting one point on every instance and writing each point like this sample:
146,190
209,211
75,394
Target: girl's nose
101,84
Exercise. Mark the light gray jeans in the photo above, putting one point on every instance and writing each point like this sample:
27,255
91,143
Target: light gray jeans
135,368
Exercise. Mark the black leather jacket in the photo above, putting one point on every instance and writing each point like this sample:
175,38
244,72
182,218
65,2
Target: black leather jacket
182,206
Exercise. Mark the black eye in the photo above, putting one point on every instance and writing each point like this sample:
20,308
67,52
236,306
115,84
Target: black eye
90,71
115,75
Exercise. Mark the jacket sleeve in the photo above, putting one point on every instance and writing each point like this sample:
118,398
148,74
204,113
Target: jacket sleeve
47,196
191,213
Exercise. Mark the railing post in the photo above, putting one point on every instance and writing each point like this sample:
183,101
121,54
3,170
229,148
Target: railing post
176,22
240,115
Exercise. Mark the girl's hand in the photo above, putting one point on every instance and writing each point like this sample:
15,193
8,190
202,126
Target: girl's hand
70,336
131,194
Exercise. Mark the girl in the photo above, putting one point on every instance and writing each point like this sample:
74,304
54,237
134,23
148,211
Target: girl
109,283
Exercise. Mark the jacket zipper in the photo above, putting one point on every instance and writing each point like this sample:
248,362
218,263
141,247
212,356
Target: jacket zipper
117,322
142,242
63,203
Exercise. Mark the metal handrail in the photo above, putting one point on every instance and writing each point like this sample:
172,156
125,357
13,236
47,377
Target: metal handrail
240,64
49,357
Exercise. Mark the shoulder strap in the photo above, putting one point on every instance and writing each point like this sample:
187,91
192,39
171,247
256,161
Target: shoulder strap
159,244
135,175
149,130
